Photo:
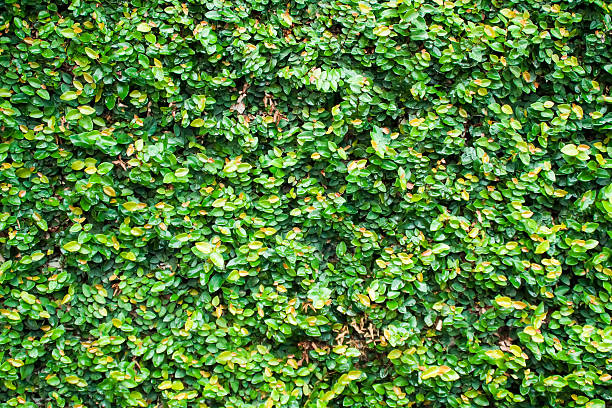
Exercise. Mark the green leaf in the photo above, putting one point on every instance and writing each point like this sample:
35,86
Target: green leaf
341,249
434,371
129,255
67,32
72,379
28,298
215,281
69,96
225,356
380,140
158,287
23,172
382,31
43,93
570,150
91,53
72,246
595,403
122,90
495,354
143,27
217,260
542,247
204,247
133,206
73,114
53,381
181,172
86,110
504,301
199,122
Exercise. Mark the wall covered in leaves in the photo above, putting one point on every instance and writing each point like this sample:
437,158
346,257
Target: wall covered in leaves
305,203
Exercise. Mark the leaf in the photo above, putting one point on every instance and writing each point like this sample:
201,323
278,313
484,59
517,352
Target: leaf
542,247
67,32
578,111
319,296
504,301
73,114
53,381
69,96
595,403
495,354
199,122
134,206
200,101
122,90
380,140
204,247
28,298
215,281
109,191
129,255
570,150
225,356
382,31
440,248
143,27
450,375
43,93
158,287
72,379
434,371
23,172
188,324
181,172
91,53
86,110
72,246
555,381
219,202
217,260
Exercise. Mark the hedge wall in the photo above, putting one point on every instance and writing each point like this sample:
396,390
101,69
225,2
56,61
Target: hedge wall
271,203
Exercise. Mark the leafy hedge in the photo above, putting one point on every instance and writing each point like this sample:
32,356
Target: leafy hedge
305,204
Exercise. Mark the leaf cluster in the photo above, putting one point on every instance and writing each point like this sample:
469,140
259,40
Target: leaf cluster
271,203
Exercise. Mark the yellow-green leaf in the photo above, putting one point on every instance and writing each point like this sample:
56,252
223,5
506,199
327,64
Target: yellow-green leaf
199,122
72,246
495,354
72,379
570,150
542,247
134,206
204,247
91,53
86,110
504,301
165,385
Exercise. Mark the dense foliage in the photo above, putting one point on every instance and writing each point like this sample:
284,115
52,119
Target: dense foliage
305,204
